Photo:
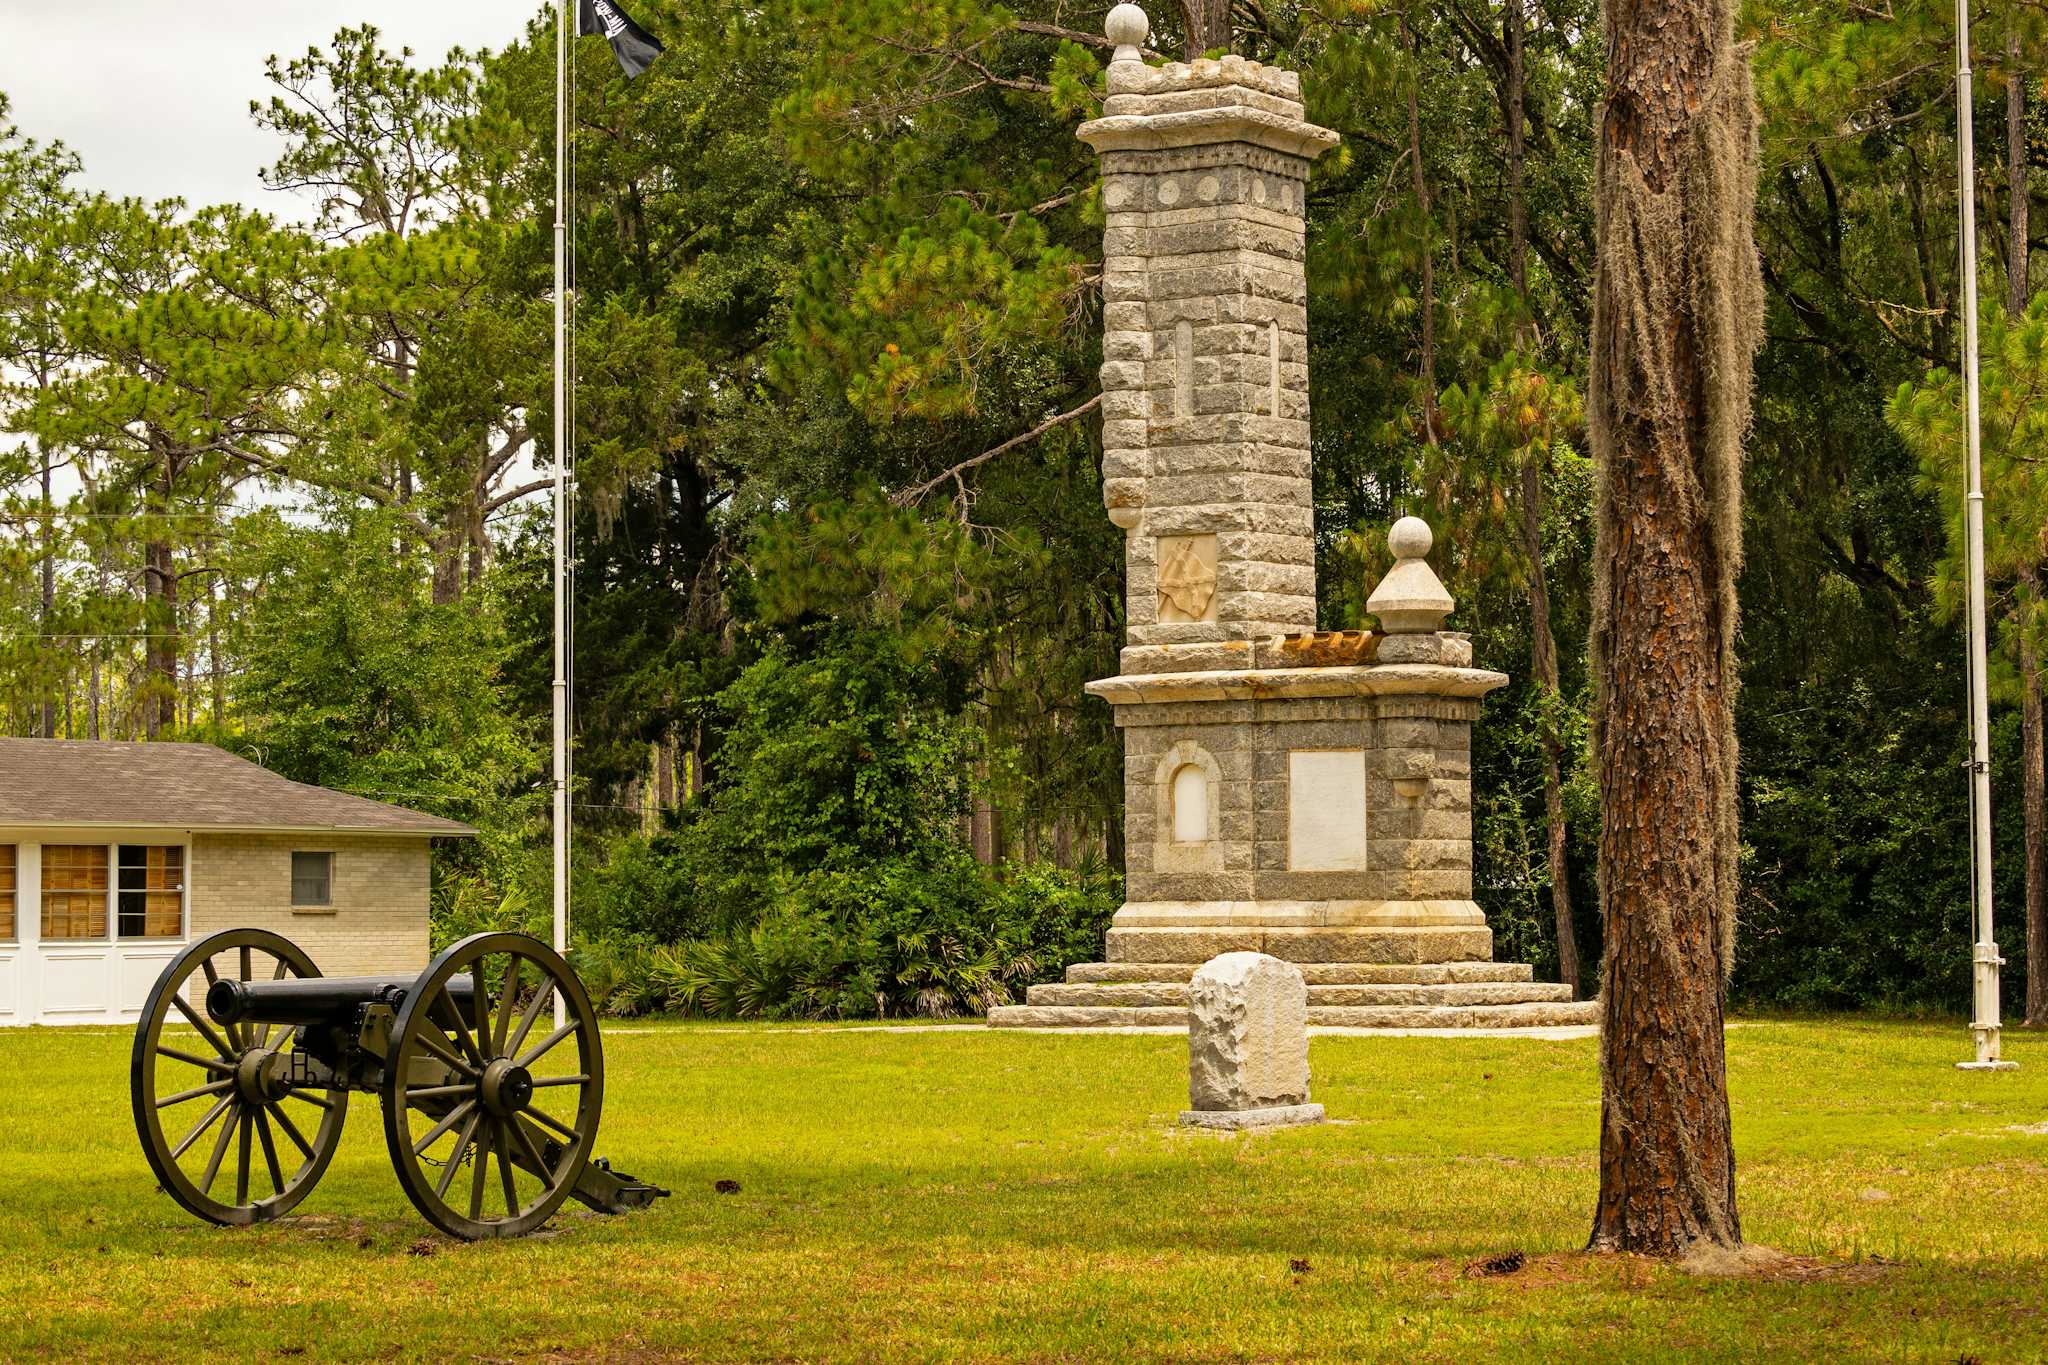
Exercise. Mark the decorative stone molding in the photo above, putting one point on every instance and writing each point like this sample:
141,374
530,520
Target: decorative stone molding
1262,684
1170,852
1411,598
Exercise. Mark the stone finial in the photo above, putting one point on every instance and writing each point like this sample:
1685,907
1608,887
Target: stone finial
1248,1044
1128,28
1411,598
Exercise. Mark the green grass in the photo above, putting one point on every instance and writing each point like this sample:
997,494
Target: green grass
961,1194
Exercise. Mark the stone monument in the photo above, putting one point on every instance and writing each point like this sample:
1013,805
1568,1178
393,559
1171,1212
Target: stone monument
1248,1045
1298,793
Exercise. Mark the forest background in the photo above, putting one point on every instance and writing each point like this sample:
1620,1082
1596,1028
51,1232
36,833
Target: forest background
841,563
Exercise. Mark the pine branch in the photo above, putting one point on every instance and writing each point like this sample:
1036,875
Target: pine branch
911,496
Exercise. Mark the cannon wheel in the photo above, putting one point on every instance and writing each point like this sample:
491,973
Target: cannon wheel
224,1085
498,1083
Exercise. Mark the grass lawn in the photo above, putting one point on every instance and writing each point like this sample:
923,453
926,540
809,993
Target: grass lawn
963,1194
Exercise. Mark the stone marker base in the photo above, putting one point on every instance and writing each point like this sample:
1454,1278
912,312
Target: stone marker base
1237,1120
1302,946
1340,995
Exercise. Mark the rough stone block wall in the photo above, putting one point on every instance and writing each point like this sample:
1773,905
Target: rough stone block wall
1205,353
1418,796
376,926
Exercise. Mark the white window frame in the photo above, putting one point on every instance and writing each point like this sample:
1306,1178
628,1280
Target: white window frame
13,940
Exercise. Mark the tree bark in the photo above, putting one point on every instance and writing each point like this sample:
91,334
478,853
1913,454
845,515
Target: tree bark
1542,643
1543,662
1208,25
1518,159
2032,796
2031,799
1426,376
2017,263
160,650
49,602
1678,313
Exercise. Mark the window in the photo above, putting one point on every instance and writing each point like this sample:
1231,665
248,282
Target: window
7,888
152,895
74,891
313,880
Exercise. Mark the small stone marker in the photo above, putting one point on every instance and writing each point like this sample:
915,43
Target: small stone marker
1248,1045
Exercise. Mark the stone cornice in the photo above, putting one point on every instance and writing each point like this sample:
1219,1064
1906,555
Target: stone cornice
1205,127
1261,684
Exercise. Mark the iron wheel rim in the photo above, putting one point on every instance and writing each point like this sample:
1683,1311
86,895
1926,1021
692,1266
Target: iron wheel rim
263,1132
451,1097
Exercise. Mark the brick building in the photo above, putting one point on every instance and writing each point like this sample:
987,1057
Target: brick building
114,856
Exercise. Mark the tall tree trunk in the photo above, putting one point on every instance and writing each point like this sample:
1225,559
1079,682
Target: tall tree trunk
1208,25
1678,312
49,603
1518,158
2032,795
160,596
1542,644
2016,270
449,543
1426,376
160,649
1543,661
2031,799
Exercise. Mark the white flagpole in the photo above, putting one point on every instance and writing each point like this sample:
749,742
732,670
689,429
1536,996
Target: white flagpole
561,687
1984,1011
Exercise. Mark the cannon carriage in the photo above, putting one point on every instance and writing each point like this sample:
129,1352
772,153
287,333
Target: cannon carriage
488,1064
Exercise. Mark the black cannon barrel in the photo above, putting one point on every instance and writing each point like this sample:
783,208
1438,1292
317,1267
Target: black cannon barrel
315,999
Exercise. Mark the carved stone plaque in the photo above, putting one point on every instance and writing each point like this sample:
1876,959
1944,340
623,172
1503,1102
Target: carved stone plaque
1187,578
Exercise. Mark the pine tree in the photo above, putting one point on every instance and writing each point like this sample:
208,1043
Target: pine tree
1678,313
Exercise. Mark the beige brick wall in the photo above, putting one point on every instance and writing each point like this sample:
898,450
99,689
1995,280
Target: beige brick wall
376,926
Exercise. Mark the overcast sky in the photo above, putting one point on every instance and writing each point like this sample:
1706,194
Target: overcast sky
154,94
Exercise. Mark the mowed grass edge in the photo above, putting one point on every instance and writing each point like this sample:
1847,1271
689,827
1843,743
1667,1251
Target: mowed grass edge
963,1194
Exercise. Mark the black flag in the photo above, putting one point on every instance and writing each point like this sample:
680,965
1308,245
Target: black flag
633,45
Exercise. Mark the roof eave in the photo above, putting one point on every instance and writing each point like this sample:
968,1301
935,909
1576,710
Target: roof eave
453,832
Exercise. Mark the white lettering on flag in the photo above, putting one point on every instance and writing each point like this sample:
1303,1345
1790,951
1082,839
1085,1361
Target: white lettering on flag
614,22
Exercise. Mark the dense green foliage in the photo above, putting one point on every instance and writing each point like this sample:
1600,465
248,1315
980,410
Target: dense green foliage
833,621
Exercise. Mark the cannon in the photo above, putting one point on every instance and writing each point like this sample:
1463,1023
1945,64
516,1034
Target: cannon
490,1058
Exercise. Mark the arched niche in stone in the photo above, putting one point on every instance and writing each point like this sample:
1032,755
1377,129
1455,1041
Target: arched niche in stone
1188,794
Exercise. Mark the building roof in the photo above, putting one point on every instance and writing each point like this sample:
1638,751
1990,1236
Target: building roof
181,786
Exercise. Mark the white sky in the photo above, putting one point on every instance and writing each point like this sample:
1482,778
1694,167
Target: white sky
154,94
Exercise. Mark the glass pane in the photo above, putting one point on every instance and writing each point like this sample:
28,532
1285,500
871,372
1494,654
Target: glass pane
74,891
7,890
312,878
132,906
151,876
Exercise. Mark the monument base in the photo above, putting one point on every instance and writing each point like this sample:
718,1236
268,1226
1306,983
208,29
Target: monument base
1384,994
1238,1120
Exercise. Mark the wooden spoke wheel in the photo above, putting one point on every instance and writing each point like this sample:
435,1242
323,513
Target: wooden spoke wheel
198,1093
491,1107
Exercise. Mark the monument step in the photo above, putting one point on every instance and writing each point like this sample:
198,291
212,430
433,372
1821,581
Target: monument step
1544,1015
1302,946
1314,973
1176,993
